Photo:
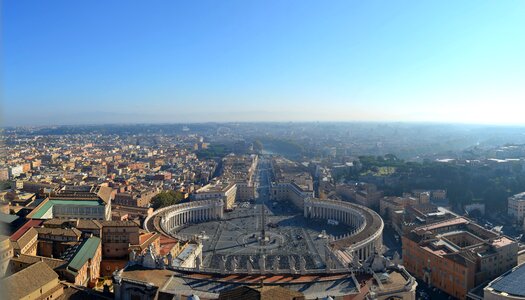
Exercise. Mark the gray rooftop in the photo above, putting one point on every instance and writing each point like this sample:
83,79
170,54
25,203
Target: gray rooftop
512,282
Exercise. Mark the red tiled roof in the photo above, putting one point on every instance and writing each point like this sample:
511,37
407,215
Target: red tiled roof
31,223
166,244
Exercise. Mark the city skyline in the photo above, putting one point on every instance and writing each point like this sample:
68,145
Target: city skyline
269,149
132,62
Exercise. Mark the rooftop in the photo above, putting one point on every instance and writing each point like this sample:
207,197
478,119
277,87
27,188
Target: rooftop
312,286
21,284
48,204
186,252
31,223
510,282
86,251
518,197
30,259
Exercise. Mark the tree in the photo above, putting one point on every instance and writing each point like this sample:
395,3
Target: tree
166,198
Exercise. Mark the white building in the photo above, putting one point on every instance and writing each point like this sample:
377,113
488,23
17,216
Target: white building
15,171
516,207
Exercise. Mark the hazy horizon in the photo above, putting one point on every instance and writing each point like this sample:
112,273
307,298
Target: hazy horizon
189,123
124,62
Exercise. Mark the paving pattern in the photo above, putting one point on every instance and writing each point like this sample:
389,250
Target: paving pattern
291,235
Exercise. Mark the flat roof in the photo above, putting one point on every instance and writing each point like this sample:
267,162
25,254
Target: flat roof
518,197
48,204
449,222
511,283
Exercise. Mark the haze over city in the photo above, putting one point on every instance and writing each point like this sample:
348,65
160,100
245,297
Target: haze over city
99,62
262,150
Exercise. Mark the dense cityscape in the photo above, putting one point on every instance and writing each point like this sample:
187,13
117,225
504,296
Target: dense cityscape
233,210
262,150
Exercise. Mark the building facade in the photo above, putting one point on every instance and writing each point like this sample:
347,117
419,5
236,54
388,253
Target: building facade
457,255
37,281
6,253
78,202
84,263
516,207
117,236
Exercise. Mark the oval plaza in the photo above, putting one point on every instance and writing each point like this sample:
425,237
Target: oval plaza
337,243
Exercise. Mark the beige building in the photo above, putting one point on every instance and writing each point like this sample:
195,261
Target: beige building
84,264
23,261
37,281
235,183
117,236
6,253
365,194
27,243
139,282
135,198
516,207
388,205
439,195
290,191
218,190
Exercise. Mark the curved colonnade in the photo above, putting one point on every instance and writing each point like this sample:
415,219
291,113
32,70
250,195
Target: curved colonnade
169,218
363,241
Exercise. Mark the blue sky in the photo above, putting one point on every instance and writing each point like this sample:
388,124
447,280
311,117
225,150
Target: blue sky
70,62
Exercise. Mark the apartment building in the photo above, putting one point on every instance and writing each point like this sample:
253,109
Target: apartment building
456,255
516,207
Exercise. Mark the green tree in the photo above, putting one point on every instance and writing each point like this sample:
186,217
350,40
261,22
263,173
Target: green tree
166,198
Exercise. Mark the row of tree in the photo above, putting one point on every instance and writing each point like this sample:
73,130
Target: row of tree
465,184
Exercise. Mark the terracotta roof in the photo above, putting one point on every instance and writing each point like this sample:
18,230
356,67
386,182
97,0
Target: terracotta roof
31,223
166,244
145,240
